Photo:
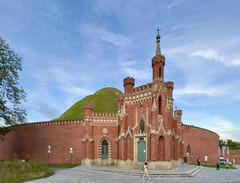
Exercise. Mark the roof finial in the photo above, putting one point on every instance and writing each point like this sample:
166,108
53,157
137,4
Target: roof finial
158,50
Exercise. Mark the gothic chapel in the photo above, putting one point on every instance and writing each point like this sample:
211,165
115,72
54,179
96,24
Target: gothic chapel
145,128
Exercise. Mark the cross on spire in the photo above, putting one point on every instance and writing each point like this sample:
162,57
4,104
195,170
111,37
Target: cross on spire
158,30
158,50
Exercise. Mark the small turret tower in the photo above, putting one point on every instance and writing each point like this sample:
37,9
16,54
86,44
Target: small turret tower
88,110
158,61
128,83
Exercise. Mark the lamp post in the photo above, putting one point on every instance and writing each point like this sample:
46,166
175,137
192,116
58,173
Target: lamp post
71,153
49,152
205,160
187,155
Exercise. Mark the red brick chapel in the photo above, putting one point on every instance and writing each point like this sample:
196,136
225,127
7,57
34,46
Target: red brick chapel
146,128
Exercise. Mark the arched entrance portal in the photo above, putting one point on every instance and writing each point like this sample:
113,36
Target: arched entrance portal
141,150
104,149
161,149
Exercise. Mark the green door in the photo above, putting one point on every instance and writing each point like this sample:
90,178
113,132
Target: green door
104,149
141,150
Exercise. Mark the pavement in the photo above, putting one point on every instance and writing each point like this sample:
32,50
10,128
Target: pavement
99,174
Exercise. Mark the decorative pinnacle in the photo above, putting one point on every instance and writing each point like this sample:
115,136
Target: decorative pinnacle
158,50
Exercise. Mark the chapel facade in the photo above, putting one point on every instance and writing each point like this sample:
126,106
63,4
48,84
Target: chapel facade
145,128
148,130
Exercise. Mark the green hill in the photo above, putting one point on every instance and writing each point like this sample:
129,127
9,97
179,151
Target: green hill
104,100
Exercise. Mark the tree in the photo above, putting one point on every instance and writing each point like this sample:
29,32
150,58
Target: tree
229,143
232,144
11,94
222,143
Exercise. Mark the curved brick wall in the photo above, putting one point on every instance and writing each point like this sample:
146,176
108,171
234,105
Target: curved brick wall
202,142
234,156
31,142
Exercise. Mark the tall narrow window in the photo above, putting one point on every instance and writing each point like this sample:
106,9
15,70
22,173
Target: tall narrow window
104,149
160,72
188,149
141,126
160,105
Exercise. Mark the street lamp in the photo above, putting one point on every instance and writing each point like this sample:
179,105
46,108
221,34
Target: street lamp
205,160
187,155
49,152
71,153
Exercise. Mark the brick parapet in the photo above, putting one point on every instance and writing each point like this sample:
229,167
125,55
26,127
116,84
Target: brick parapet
192,126
104,115
234,156
143,87
46,123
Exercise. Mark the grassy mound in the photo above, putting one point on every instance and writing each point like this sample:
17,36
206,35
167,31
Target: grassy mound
104,100
18,171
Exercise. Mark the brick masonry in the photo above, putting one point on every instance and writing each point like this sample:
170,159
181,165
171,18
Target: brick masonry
144,113
234,156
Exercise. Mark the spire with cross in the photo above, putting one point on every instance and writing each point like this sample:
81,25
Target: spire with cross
158,50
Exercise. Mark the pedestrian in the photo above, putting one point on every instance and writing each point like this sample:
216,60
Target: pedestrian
199,161
145,172
217,164
227,163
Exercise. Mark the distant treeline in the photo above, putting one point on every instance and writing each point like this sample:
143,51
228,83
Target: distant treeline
229,143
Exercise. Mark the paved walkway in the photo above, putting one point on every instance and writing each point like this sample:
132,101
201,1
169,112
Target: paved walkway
83,174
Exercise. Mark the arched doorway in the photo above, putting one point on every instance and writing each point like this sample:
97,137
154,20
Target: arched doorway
141,150
188,150
141,126
104,149
161,148
188,153
172,148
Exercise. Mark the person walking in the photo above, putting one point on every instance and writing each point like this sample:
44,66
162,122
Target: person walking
199,161
145,172
227,164
218,165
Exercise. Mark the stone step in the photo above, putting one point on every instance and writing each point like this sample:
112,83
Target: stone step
194,171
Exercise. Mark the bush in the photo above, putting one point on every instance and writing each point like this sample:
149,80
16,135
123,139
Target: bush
19,171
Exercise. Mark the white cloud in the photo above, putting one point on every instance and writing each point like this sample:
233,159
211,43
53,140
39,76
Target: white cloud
137,74
236,62
127,63
191,90
225,128
174,4
105,35
213,54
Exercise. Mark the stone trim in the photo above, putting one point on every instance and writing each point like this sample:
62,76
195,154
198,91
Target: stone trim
104,114
46,123
143,87
109,147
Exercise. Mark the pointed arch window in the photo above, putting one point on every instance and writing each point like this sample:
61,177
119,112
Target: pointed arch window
189,149
160,105
141,126
160,72
104,149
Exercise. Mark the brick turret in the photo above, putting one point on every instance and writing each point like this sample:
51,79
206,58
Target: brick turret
158,62
88,110
178,115
128,83
170,86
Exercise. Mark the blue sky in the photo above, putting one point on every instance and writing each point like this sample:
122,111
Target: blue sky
70,49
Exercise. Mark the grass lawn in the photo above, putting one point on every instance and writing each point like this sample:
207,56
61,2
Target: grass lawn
104,100
69,165
18,171
222,166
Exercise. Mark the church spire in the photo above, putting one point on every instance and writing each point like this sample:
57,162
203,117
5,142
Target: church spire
158,50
